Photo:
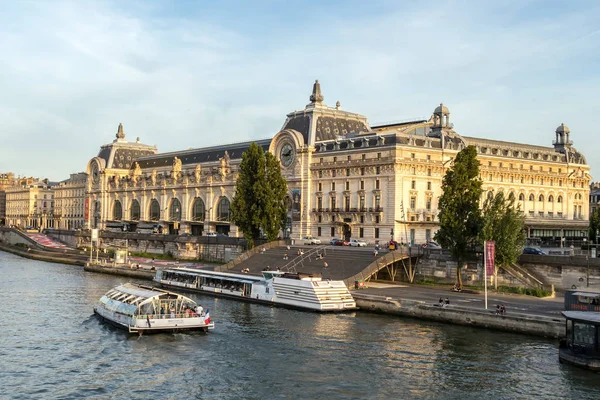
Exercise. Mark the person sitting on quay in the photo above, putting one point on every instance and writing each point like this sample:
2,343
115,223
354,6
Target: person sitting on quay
441,302
285,256
447,301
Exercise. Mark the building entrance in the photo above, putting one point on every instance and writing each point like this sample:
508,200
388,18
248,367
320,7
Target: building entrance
347,232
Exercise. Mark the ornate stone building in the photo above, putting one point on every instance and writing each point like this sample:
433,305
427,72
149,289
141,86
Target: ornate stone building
69,202
345,179
30,203
6,180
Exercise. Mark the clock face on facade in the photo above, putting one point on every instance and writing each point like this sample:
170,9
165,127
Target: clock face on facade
286,154
95,173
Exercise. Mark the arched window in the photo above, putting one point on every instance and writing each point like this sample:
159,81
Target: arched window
541,198
175,210
223,209
521,197
550,199
531,198
559,199
154,210
198,210
135,210
511,196
117,211
490,195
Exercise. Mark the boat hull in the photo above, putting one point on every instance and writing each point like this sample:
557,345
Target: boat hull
567,356
224,294
170,325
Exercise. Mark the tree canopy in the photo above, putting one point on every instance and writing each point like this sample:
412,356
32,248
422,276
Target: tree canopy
258,205
459,212
594,228
503,223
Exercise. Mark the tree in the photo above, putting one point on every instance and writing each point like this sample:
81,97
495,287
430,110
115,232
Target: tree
460,216
258,204
504,223
594,226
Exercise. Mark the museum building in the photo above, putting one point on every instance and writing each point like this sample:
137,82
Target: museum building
345,179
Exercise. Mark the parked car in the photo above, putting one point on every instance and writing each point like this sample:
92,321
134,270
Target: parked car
358,243
535,251
432,245
341,242
311,240
333,240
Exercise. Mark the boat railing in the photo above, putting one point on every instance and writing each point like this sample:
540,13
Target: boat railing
313,253
168,316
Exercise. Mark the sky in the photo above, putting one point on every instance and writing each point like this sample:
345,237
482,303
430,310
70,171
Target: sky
187,74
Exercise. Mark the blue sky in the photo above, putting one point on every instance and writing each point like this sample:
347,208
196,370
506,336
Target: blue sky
182,74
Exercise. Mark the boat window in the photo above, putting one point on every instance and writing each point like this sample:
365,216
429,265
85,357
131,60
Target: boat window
583,334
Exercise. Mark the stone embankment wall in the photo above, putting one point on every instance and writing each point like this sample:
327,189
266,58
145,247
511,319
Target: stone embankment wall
564,272
519,323
216,249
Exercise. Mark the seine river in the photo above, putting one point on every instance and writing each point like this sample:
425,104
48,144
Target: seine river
52,347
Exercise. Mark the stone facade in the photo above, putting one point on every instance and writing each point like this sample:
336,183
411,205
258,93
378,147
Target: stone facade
69,202
345,179
30,203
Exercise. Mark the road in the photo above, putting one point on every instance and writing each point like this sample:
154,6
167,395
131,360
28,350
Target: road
513,302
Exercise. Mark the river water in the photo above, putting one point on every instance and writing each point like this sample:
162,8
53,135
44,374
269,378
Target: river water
52,347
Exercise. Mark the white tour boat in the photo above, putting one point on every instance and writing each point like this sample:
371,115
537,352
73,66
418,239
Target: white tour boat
139,309
298,290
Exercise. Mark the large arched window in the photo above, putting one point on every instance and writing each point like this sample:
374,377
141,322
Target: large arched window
135,210
117,211
175,210
154,210
521,197
559,199
531,198
490,195
198,210
223,209
550,199
541,198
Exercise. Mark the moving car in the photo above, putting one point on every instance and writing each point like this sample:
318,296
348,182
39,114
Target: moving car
311,240
534,250
432,245
341,242
358,243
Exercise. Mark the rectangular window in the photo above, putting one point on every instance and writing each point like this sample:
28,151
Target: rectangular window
413,171
333,173
413,202
428,204
376,233
347,185
362,219
377,170
377,219
320,187
428,157
333,231
489,163
362,203
412,155
319,202
361,232
428,171
320,174
362,170
413,184
347,203
333,203
347,171
377,201
334,159
500,165
349,158
333,186
321,160
362,185
428,185
319,230
320,220
377,184
379,156
364,156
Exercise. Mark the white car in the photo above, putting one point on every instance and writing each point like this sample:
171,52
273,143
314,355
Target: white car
358,243
311,240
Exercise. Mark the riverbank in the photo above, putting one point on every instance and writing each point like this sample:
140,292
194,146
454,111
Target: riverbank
527,323
531,324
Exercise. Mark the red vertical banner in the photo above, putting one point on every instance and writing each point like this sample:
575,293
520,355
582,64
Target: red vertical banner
87,208
490,253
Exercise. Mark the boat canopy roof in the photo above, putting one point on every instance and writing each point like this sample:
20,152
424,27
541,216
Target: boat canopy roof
583,316
133,295
587,294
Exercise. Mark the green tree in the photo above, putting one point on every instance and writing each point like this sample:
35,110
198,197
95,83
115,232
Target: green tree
504,223
258,204
594,228
460,216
